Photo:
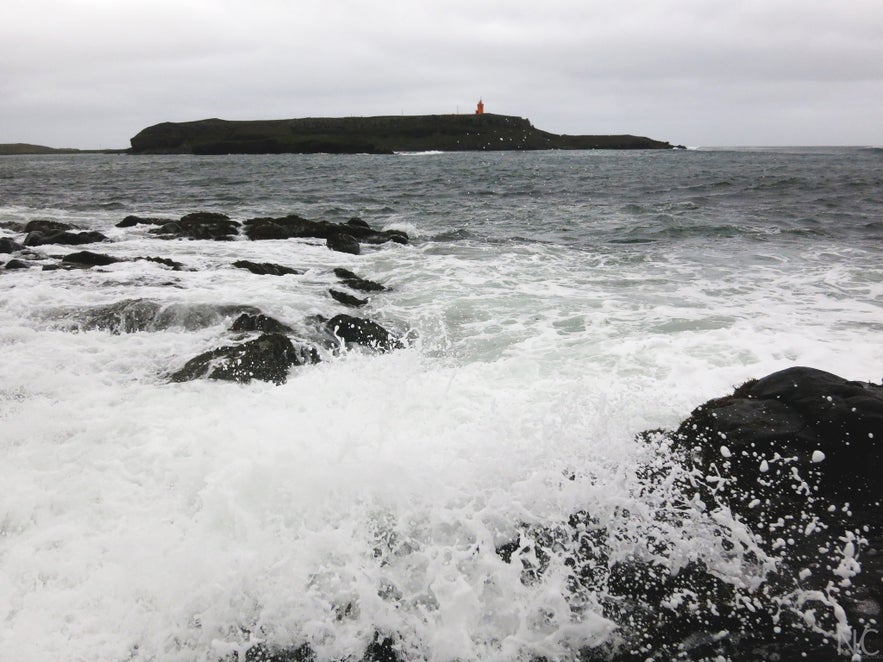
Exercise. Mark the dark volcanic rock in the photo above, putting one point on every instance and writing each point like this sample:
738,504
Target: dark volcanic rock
259,322
176,266
294,226
199,225
89,259
347,299
7,245
343,243
796,413
796,456
267,358
40,238
48,226
16,264
357,283
267,268
360,331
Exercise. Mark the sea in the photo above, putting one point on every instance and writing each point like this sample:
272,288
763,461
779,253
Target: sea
553,306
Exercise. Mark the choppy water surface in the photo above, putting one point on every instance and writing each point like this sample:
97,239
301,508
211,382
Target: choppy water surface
558,304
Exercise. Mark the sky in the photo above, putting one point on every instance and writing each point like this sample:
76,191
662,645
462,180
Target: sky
90,74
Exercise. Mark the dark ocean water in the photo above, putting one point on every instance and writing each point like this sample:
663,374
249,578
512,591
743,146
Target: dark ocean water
558,303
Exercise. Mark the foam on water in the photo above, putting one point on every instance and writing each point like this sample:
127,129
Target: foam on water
148,520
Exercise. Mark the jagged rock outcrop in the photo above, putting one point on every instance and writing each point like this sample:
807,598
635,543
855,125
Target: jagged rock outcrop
372,135
267,358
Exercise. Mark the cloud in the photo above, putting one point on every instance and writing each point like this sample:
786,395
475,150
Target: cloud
577,67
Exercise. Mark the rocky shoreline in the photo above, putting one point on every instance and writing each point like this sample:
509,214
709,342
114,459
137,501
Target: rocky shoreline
790,460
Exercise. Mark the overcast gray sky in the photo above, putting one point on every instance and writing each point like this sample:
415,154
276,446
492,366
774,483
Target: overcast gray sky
92,73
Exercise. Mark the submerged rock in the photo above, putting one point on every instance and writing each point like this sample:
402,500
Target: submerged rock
267,358
360,331
41,238
175,266
350,279
267,268
89,259
131,221
136,315
259,322
343,243
347,299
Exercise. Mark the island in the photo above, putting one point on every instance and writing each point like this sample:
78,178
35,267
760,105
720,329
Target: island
369,135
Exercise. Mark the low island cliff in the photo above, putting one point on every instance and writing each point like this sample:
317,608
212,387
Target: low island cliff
371,135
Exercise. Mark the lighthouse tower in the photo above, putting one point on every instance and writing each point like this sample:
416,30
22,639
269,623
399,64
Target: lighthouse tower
479,110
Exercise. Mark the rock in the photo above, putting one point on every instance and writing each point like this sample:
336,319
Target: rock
89,259
48,226
176,266
17,264
796,457
795,413
40,238
131,221
199,225
355,221
347,299
7,245
294,226
267,358
267,268
343,243
259,322
361,331
357,283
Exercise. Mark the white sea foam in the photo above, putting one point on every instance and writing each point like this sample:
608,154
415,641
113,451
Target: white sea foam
148,520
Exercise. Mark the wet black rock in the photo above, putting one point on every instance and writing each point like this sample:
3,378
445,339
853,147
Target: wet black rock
826,427
267,268
350,279
17,264
796,456
175,266
199,225
267,358
41,238
294,226
259,322
8,245
48,226
89,259
360,331
343,243
347,299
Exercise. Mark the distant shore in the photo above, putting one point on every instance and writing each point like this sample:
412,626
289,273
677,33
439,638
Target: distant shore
353,135
23,149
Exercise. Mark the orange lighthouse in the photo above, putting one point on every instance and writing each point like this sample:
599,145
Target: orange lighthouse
479,110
